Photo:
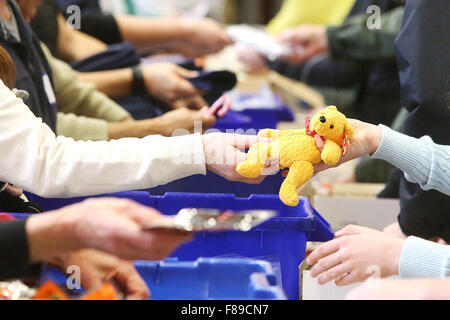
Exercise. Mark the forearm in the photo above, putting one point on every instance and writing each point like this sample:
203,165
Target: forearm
422,161
137,129
53,166
114,83
74,45
49,235
152,33
82,99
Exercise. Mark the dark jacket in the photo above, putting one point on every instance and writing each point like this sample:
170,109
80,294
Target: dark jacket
14,252
423,49
32,68
376,77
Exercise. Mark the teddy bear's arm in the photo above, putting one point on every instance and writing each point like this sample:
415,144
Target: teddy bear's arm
277,134
331,153
256,160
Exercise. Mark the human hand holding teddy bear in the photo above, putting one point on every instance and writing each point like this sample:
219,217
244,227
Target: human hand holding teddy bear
325,142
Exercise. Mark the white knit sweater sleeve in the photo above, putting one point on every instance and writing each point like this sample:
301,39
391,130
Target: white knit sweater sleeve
38,161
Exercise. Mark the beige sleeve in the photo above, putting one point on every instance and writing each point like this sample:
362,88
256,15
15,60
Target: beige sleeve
81,128
82,99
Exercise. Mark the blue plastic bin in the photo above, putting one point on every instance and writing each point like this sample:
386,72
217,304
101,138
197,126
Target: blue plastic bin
213,183
204,279
210,279
256,118
282,238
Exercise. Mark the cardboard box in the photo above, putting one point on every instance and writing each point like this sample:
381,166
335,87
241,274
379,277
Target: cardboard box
373,213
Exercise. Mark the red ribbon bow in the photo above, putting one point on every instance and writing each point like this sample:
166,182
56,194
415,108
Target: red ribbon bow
312,133
307,123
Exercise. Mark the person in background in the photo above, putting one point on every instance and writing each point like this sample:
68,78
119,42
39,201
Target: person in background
61,237
84,113
354,67
298,12
165,82
187,36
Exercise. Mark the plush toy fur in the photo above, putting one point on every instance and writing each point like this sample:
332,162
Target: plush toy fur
297,150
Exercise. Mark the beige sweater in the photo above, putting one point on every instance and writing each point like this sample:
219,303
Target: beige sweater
83,111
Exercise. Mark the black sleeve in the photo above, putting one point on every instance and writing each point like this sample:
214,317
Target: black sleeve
14,252
101,26
45,24
323,71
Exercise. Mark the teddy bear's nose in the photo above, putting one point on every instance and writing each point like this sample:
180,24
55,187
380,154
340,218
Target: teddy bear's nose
323,119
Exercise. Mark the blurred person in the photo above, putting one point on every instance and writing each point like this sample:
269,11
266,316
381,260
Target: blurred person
190,37
138,162
100,236
43,157
165,82
354,67
84,113
298,12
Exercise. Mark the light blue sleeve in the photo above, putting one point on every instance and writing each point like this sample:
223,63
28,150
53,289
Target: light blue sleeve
423,161
424,259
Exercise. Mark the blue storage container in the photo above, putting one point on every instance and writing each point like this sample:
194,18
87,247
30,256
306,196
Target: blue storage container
213,183
204,279
210,279
256,118
282,238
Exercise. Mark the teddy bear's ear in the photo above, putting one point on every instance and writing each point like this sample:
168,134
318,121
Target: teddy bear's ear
348,130
332,108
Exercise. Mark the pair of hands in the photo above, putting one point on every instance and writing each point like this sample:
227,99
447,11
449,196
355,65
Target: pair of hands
201,37
102,237
114,226
356,254
312,39
97,268
167,83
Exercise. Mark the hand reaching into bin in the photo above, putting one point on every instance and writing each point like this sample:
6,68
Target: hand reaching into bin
98,268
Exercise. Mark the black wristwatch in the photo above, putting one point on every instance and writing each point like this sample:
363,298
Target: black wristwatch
138,86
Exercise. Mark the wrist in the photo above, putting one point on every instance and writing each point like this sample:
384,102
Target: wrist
186,28
138,86
395,250
150,127
373,137
50,235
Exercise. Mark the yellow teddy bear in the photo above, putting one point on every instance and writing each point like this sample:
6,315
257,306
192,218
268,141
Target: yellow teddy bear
297,150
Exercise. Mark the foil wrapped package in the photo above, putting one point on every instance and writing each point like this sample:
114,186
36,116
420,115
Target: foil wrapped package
196,220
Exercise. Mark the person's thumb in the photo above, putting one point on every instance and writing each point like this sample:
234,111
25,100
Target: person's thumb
319,142
185,73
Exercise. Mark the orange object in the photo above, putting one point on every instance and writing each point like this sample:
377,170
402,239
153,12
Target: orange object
107,292
200,62
50,291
